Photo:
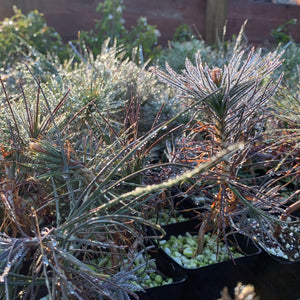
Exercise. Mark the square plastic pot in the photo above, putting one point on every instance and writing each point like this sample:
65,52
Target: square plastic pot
172,290
167,291
207,282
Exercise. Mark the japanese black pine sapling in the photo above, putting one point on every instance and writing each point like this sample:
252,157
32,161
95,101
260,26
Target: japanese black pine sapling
234,113
53,169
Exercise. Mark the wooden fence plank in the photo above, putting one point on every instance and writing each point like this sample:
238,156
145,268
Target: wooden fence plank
216,14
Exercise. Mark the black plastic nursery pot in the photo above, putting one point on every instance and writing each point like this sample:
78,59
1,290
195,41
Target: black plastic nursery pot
277,279
172,290
207,282
167,291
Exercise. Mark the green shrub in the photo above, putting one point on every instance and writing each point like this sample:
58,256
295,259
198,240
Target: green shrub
216,56
183,33
281,34
142,36
19,31
177,52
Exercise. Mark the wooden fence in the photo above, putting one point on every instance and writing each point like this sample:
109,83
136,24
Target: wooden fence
208,16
